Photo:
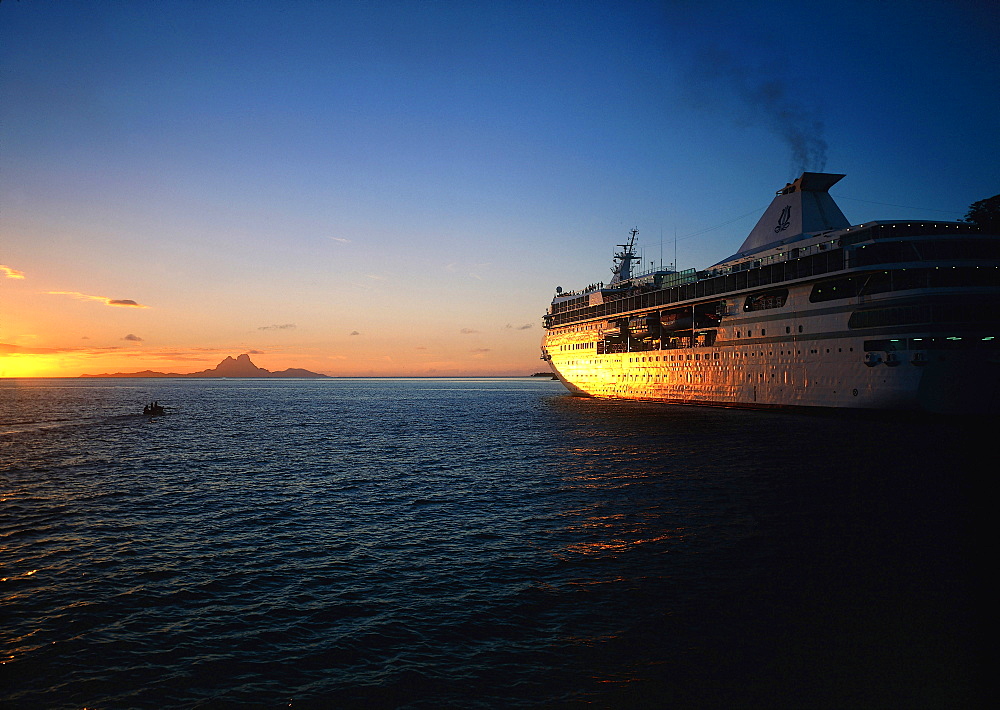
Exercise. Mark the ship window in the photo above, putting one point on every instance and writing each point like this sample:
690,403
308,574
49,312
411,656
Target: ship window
762,331
765,300
788,329
898,315
846,287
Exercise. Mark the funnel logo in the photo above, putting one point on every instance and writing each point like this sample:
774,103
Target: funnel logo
785,220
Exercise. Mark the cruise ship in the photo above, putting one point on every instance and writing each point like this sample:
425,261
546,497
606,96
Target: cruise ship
810,312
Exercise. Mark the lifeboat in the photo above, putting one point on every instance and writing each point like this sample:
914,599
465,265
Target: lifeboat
676,320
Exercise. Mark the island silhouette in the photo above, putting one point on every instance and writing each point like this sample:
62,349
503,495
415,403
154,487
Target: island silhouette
240,366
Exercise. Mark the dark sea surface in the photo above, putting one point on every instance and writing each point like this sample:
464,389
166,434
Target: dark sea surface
480,543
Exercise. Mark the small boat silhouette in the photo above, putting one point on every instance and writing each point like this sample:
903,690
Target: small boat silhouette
154,409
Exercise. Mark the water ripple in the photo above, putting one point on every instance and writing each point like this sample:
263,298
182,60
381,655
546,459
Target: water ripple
467,543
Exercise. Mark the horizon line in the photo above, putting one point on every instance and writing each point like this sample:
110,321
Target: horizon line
331,377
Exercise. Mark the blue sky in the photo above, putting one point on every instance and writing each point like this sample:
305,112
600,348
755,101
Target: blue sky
397,187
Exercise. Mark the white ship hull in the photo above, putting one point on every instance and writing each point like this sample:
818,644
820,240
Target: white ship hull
796,342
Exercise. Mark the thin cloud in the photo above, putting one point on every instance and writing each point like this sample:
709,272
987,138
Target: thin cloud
10,272
471,270
123,302
480,351
341,240
126,302
132,338
354,332
11,349
468,331
526,326
476,269
283,326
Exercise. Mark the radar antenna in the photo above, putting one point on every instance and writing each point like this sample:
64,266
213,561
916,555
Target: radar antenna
622,269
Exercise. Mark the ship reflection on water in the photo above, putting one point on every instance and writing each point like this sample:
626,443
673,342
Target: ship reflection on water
767,559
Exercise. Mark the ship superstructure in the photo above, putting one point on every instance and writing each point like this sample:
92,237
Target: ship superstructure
811,311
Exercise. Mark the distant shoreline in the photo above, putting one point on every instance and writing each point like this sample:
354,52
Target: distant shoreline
127,376
242,368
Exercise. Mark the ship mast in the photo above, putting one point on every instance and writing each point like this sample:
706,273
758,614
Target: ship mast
622,269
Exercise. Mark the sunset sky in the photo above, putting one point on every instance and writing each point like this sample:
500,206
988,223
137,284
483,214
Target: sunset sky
396,188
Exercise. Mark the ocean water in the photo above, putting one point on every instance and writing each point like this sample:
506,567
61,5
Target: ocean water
479,543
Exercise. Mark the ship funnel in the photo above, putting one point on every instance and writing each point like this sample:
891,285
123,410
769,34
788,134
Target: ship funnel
800,207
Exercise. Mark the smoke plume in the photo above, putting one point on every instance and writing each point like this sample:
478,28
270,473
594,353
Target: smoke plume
751,97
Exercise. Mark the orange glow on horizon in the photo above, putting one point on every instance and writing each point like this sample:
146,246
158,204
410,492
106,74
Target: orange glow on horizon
79,362
19,365
47,332
75,363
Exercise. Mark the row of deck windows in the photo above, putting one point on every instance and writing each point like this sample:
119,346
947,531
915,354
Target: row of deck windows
866,283
763,331
732,356
577,346
749,333
935,343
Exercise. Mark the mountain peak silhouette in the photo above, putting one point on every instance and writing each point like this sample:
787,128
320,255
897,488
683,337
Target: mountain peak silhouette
240,366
